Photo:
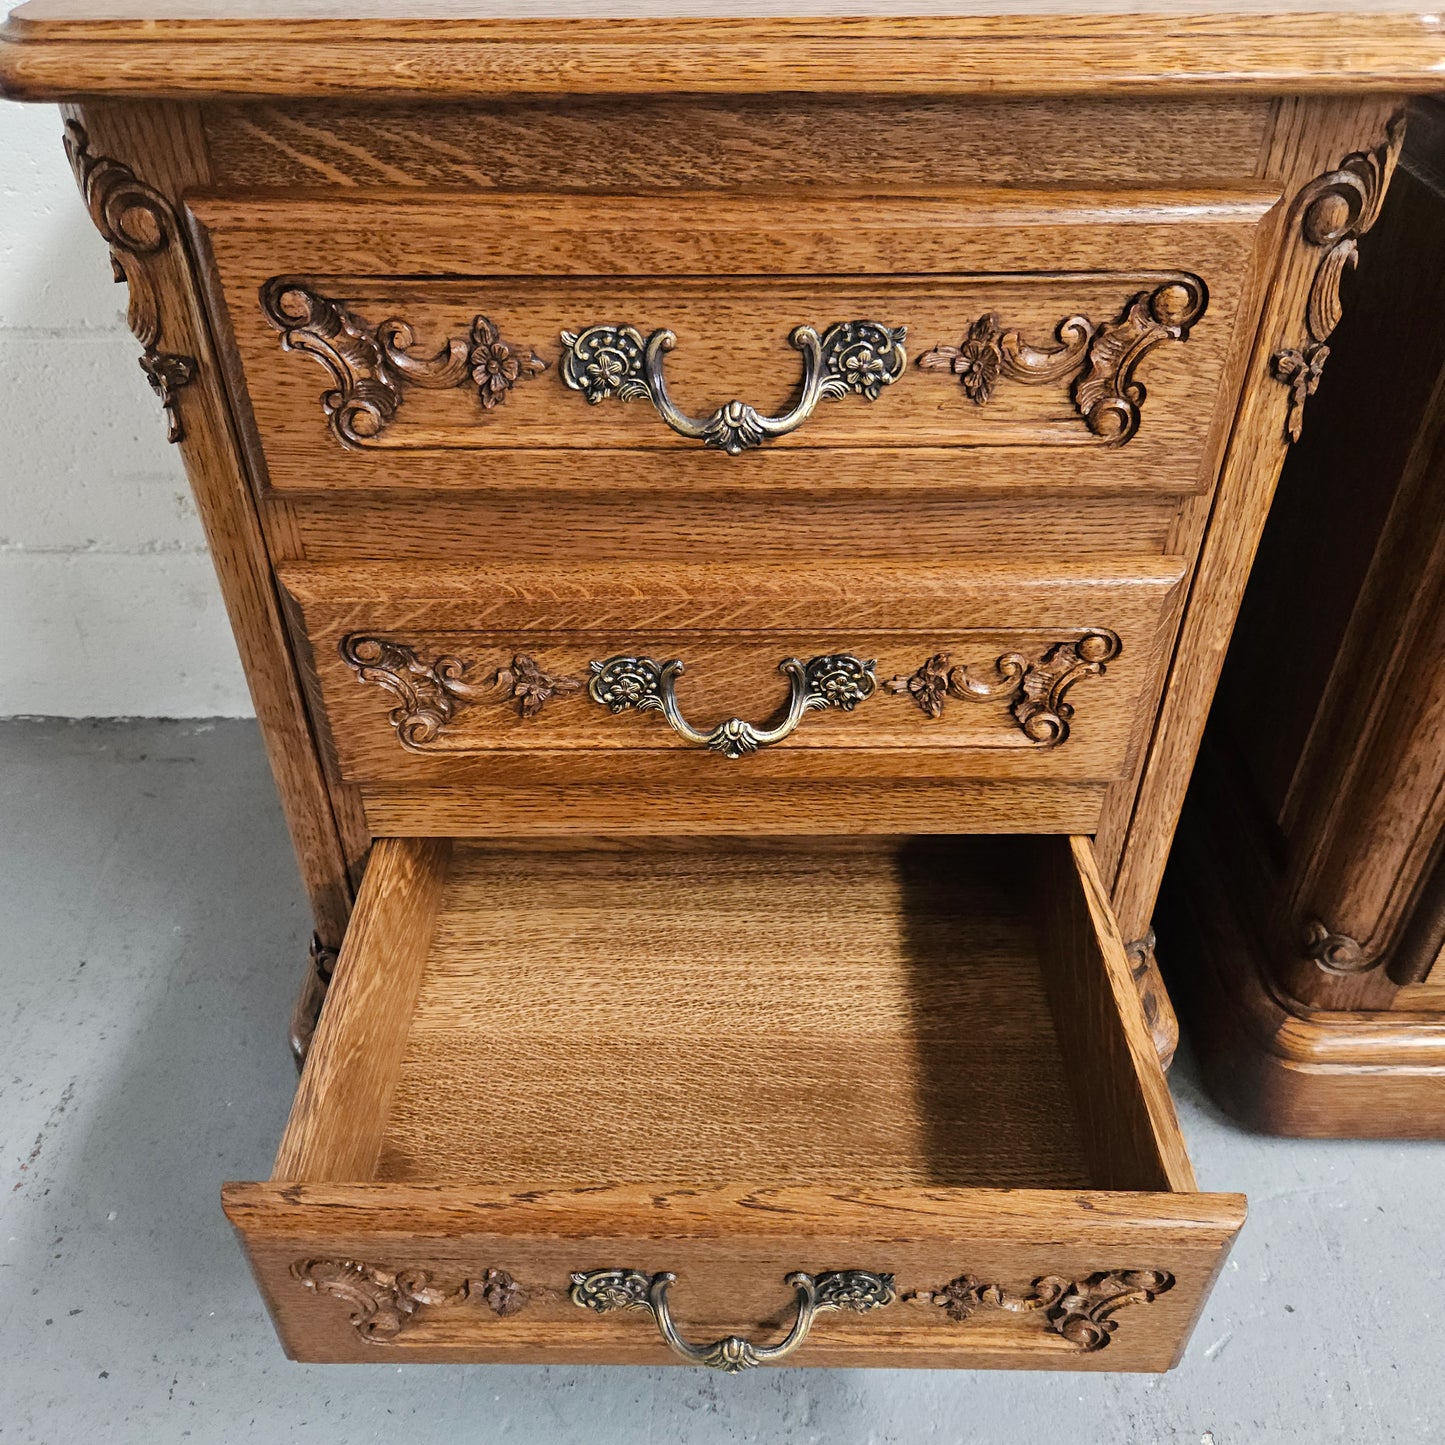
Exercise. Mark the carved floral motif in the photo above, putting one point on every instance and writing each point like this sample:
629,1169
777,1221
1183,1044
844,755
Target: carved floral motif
526,684
372,367
1335,210
139,224
1102,358
1080,1311
429,694
384,1301
1037,686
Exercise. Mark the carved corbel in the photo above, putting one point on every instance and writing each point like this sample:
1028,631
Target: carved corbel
1334,211
139,224
1158,1011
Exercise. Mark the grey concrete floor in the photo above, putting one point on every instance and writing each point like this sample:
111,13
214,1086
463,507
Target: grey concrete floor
151,932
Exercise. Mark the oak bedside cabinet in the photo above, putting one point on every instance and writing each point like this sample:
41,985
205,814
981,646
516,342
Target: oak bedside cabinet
732,525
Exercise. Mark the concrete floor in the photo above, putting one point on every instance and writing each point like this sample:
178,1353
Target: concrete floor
151,933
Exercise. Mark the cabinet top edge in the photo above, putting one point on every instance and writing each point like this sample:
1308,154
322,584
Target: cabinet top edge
463,49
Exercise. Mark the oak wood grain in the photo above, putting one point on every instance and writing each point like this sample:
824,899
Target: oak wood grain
54,52
350,1075
885,803
769,144
1048,256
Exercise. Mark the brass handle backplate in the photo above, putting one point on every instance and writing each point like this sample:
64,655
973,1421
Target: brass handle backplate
623,683
861,357
605,1290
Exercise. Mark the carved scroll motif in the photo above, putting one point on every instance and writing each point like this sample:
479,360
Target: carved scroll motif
139,224
1336,952
372,367
1334,211
384,1302
1037,686
429,694
1079,1311
1102,358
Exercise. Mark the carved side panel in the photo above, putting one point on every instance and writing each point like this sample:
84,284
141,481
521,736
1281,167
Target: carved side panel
139,224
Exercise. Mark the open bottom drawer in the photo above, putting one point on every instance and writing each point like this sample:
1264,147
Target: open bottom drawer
882,1102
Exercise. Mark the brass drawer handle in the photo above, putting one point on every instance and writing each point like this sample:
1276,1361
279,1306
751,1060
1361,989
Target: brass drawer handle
623,683
605,1290
862,357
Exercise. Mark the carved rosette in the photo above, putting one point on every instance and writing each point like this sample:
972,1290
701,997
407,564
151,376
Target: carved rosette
1102,358
1079,1311
1036,687
139,224
525,683
371,367
1334,211
384,1301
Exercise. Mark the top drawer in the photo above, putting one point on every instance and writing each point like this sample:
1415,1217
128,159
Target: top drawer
1011,337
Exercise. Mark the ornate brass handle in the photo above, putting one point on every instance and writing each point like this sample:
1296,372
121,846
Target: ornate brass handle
605,1290
623,683
605,362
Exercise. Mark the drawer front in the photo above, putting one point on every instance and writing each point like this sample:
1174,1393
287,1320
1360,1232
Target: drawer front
689,681
567,1100
1018,339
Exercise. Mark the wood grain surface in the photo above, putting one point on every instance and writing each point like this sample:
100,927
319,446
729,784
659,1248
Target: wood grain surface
731,625
57,50
769,144
1049,256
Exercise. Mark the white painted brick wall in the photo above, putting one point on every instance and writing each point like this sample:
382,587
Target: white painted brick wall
108,603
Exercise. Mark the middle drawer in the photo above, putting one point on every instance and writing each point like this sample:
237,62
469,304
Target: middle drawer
703,697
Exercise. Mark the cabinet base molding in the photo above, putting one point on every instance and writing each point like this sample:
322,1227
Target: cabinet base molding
1272,1063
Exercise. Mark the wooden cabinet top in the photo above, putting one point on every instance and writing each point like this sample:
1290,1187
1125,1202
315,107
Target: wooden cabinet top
171,49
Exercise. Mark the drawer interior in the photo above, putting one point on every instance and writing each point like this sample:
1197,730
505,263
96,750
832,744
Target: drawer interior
732,1059
819,1011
